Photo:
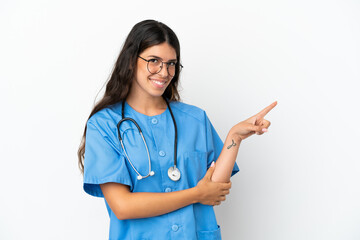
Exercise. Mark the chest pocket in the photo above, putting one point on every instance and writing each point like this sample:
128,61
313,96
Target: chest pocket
195,163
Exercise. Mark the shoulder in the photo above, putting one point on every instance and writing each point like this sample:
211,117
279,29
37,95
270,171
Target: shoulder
189,110
106,118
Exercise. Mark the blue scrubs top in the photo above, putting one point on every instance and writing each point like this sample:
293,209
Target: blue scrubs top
198,145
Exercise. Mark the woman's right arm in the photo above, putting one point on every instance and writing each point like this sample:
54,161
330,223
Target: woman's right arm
129,205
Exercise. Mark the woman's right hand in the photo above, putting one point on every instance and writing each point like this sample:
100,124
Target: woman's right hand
253,125
212,193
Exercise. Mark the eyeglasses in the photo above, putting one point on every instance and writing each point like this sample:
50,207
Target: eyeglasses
154,65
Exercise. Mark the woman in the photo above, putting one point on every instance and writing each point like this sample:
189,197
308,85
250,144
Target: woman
162,185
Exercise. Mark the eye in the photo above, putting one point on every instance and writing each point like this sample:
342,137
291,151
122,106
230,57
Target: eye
153,60
172,64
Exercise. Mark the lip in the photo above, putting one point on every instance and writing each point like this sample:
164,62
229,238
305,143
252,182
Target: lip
159,86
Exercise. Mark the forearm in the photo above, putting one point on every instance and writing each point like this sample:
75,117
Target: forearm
147,204
225,162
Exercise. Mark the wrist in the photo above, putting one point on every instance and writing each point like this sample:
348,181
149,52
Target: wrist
195,194
233,135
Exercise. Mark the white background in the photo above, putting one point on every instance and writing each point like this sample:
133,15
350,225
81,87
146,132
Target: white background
298,181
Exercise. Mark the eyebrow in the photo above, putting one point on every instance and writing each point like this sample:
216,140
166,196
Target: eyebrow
171,60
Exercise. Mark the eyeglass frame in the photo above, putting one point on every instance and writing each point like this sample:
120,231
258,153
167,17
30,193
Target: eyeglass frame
161,66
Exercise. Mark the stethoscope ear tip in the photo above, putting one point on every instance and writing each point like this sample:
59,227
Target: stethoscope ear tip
152,173
139,177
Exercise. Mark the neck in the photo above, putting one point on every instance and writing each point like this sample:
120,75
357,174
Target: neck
147,105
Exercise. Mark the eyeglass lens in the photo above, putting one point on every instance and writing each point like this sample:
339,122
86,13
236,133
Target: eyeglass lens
155,66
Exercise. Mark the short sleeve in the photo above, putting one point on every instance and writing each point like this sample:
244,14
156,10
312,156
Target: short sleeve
102,163
214,145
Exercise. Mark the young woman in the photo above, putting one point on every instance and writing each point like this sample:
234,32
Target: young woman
153,157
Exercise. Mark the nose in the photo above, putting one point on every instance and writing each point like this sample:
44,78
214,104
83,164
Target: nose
164,72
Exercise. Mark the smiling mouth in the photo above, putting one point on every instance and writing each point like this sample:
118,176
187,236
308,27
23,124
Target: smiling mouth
157,83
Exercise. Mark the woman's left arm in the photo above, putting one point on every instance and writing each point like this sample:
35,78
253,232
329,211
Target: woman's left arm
225,163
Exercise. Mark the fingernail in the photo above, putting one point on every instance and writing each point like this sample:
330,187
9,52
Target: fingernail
264,130
212,164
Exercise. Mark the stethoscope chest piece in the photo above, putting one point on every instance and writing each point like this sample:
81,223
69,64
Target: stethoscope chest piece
174,173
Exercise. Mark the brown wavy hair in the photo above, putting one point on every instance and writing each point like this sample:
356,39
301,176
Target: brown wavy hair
143,35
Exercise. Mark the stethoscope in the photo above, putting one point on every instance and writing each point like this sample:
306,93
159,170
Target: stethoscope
173,172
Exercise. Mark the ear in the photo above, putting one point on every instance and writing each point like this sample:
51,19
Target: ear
133,63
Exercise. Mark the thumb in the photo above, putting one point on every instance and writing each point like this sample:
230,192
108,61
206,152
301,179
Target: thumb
210,171
256,129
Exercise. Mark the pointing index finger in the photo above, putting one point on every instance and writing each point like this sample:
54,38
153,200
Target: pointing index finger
265,111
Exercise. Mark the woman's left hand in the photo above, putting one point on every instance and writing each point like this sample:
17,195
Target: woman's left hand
255,124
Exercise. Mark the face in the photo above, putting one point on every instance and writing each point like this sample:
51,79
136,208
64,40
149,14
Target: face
154,84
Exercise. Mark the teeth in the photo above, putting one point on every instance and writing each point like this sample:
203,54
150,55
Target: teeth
157,82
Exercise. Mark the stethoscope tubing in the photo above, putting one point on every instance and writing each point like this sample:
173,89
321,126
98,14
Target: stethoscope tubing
175,140
150,173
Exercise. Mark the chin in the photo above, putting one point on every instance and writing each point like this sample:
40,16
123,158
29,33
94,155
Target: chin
156,93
